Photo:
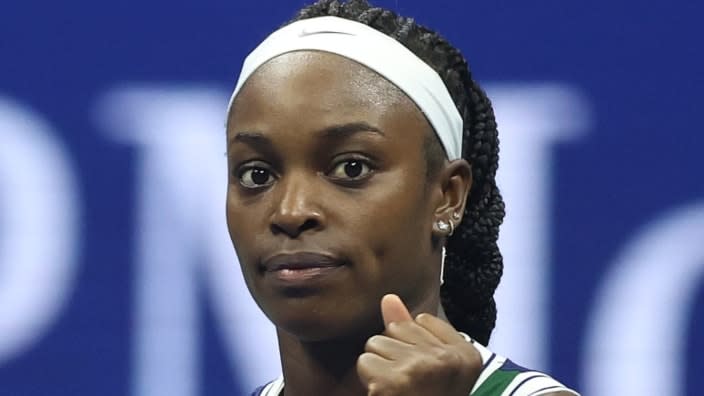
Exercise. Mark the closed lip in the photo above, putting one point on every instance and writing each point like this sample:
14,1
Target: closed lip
299,260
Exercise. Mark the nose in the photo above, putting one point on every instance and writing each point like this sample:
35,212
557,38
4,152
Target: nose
297,210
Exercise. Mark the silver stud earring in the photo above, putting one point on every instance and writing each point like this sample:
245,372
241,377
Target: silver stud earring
457,216
443,226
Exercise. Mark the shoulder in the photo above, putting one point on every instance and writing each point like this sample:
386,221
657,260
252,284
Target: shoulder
273,388
559,393
501,376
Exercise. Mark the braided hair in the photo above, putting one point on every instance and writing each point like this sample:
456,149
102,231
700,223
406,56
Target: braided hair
473,263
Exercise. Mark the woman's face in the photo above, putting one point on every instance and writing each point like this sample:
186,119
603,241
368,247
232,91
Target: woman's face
328,204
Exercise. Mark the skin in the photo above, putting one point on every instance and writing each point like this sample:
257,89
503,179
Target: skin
299,124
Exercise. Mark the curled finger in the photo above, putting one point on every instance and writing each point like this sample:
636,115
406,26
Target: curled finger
439,328
387,347
371,367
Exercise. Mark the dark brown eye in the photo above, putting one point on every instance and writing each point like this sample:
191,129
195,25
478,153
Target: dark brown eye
354,168
350,169
256,177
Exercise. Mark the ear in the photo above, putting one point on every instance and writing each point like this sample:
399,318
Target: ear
455,182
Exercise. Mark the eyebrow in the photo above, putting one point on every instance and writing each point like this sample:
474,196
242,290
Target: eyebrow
255,140
349,129
340,131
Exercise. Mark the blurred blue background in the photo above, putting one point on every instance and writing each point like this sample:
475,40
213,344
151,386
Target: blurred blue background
116,273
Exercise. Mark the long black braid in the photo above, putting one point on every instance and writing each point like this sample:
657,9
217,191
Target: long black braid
473,264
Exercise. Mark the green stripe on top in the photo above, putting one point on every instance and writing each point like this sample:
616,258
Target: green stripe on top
496,383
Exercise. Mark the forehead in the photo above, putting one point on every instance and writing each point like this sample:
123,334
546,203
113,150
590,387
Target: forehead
322,88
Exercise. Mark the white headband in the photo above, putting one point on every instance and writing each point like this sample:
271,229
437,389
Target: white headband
375,50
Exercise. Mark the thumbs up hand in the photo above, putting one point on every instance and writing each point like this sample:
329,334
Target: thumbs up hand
422,356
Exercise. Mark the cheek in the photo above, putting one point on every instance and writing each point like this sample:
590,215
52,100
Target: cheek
232,216
239,226
400,207
393,222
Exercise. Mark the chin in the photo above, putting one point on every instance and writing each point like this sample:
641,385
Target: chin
317,324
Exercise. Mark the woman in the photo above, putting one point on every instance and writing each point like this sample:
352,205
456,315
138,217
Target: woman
362,158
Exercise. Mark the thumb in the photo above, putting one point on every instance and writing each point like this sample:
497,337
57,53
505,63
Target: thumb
393,310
